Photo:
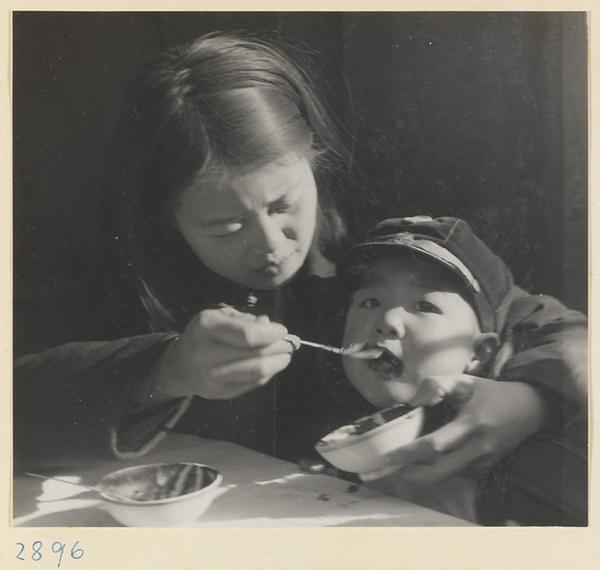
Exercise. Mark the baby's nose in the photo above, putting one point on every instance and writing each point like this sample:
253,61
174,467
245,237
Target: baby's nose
392,323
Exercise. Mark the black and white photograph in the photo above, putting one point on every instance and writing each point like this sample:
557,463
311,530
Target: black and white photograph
299,269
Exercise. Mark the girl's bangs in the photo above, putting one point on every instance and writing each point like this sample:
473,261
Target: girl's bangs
253,127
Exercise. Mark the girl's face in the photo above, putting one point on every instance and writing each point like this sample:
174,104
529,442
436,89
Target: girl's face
418,317
255,229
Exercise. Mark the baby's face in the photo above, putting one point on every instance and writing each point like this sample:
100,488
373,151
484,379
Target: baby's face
415,312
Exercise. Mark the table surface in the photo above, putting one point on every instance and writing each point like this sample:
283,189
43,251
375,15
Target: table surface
257,491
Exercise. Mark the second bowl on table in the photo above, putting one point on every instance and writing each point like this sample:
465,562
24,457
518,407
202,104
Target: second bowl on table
160,494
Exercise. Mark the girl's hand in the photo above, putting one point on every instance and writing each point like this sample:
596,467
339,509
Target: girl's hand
492,418
221,354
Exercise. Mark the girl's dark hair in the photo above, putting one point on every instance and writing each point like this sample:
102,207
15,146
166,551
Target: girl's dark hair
225,103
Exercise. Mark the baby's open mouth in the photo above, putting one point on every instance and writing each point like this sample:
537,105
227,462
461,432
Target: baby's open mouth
387,363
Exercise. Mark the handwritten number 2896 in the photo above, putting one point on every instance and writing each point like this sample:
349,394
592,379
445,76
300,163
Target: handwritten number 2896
57,548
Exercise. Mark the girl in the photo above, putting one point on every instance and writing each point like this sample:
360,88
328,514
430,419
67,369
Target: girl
229,192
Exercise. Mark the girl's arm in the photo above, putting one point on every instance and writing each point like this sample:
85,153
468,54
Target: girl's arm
69,401
549,353
98,399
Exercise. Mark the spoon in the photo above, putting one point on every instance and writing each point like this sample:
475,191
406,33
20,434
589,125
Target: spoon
356,350
110,494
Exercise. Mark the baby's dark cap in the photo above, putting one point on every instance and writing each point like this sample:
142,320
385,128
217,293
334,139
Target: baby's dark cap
450,242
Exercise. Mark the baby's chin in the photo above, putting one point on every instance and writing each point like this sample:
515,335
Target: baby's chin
399,393
384,392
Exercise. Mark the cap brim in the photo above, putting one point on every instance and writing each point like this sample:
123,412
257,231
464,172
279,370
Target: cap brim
356,261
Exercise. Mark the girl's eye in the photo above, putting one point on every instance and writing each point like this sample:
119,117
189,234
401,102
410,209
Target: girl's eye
369,303
285,203
280,208
427,307
226,230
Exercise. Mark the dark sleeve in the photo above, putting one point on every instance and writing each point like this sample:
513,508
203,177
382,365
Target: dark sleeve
70,403
549,351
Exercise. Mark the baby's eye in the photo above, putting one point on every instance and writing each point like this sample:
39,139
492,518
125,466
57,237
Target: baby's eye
369,303
427,307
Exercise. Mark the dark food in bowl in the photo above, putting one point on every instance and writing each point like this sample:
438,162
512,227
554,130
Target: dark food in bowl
367,423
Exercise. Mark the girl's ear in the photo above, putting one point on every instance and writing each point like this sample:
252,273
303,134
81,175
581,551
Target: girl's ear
485,346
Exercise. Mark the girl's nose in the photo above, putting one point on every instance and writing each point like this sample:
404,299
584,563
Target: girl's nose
267,236
391,324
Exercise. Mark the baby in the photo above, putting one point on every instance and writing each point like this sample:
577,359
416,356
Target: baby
433,297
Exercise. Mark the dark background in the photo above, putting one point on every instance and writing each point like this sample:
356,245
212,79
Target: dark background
480,115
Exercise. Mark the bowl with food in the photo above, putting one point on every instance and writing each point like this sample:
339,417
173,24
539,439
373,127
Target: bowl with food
159,494
362,446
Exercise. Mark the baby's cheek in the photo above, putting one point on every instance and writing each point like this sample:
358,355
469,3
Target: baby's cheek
447,362
403,393
351,329
364,381
350,367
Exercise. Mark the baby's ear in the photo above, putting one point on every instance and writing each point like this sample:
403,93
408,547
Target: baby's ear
485,346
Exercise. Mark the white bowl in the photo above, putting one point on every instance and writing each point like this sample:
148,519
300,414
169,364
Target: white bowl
361,447
161,494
